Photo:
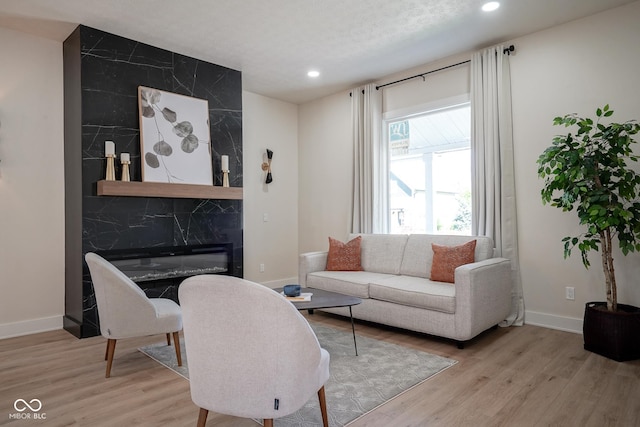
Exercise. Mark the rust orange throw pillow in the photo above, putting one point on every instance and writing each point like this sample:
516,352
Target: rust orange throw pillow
344,256
447,258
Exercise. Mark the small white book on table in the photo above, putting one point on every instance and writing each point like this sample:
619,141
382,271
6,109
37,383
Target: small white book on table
304,296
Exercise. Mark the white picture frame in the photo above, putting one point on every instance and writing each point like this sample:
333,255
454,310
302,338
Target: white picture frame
175,139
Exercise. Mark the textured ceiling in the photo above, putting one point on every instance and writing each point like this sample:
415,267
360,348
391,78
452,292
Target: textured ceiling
275,42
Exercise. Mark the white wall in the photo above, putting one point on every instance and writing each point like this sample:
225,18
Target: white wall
436,86
326,150
31,184
574,67
273,124
326,171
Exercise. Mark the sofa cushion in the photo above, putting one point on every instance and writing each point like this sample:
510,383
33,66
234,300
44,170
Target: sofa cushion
414,292
418,255
447,258
344,256
382,253
355,283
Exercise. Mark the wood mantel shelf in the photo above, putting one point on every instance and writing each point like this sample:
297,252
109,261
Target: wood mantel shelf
159,189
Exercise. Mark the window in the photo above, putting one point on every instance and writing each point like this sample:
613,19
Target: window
430,171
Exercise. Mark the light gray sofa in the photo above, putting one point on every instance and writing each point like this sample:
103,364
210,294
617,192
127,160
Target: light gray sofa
396,290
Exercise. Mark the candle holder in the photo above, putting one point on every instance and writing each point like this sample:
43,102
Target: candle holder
111,168
225,178
224,166
125,170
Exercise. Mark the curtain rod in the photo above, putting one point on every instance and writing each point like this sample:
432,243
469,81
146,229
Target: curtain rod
506,50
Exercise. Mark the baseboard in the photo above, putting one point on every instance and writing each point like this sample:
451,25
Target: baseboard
280,282
28,327
9,330
552,321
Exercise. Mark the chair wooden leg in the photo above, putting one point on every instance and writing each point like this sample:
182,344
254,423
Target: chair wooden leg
106,351
111,349
323,407
202,417
168,338
268,422
176,343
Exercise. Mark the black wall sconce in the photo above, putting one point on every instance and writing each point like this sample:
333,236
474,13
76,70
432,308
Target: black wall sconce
266,166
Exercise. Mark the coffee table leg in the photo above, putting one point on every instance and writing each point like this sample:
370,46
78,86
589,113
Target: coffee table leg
353,331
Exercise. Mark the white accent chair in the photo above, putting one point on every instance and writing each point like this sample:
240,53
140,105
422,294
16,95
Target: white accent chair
125,311
251,353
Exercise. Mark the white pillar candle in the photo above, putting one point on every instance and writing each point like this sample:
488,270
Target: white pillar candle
109,148
124,157
225,163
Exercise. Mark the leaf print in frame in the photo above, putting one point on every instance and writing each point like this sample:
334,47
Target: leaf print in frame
175,139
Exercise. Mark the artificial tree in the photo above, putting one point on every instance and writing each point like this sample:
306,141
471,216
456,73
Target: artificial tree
590,172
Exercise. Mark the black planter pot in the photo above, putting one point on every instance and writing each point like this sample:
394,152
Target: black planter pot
612,334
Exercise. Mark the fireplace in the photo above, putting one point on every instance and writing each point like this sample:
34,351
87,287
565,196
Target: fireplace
139,231
150,266
159,271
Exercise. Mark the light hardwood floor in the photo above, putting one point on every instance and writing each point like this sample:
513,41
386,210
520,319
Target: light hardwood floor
520,376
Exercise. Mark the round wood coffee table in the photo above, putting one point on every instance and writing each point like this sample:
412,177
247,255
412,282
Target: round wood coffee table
327,299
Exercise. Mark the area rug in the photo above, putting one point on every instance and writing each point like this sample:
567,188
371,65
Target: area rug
358,384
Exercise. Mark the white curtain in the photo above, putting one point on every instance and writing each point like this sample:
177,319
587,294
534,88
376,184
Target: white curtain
369,161
494,198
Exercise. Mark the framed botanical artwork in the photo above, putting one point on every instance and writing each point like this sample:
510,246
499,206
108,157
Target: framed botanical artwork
175,142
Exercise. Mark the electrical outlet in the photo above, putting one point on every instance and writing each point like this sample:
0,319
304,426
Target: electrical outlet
570,293
265,217
261,268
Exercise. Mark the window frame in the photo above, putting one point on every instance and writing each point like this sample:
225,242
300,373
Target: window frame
407,113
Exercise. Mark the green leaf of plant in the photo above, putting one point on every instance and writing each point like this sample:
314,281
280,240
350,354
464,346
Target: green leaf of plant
586,171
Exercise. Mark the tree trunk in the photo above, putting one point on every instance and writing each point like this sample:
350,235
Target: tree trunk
609,273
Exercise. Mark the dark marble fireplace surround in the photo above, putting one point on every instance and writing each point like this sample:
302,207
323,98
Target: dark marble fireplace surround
102,72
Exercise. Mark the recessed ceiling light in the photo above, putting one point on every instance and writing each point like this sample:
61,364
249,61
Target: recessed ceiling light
490,6
313,73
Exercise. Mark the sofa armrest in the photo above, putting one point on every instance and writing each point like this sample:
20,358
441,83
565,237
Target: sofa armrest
309,262
483,295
